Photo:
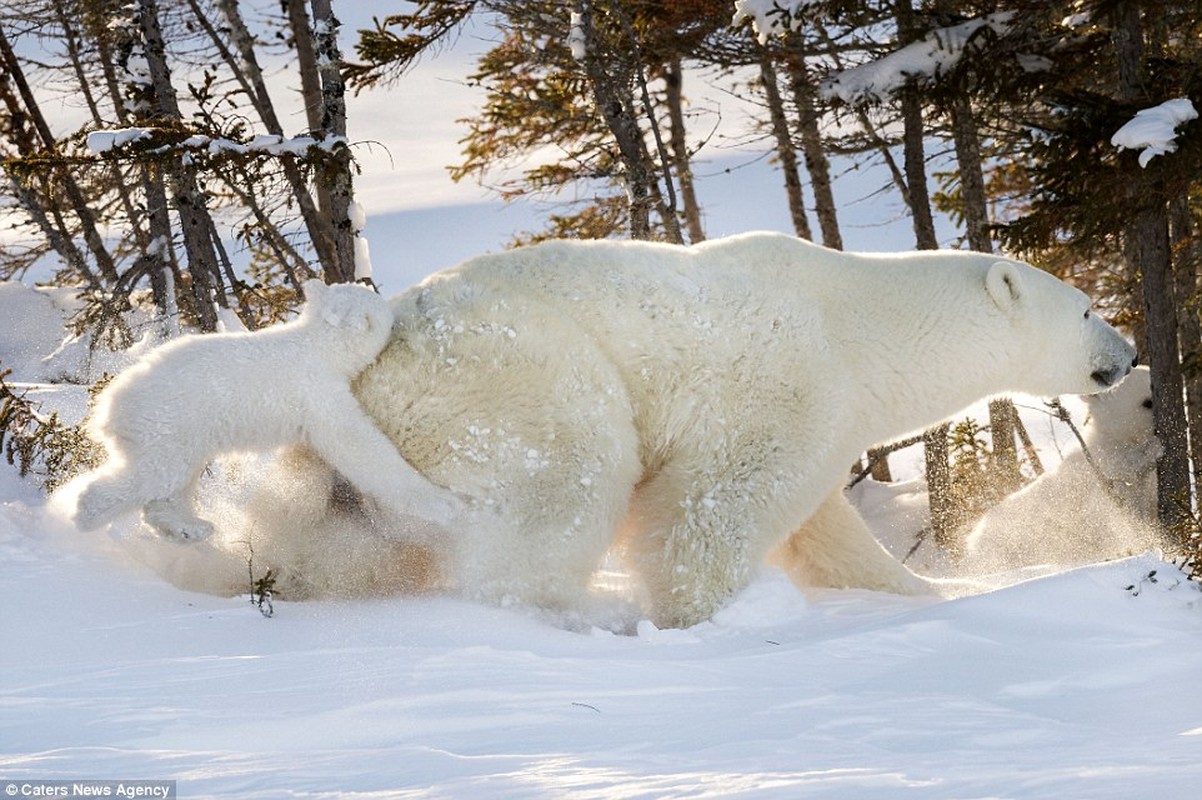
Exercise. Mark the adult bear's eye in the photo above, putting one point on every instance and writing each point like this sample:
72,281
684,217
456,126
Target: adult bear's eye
1148,403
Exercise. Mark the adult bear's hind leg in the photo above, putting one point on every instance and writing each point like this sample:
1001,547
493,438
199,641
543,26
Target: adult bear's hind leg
520,413
699,530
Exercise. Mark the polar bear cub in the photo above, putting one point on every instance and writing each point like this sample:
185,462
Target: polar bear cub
1083,511
198,397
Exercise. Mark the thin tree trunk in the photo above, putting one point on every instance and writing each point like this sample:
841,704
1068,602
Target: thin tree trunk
247,68
1002,417
935,445
617,108
157,259
72,41
207,288
1187,262
87,220
333,124
666,200
785,150
673,78
306,58
1146,247
681,158
817,164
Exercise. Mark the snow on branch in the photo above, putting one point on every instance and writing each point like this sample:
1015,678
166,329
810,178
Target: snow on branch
576,41
108,142
1153,131
772,17
927,58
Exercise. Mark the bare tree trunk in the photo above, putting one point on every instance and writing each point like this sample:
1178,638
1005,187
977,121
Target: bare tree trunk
246,68
877,141
1146,247
311,97
207,287
785,150
617,108
1187,263
1002,417
157,259
817,164
681,158
333,124
71,39
87,220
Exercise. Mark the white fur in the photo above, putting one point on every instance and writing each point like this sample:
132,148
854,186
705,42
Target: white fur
166,417
698,404
1079,512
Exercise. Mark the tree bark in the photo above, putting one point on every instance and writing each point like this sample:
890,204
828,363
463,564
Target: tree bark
1146,247
333,125
306,58
817,164
157,259
246,68
681,158
190,205
785,149
87,219
1187,262
1002,417
617,108
935,446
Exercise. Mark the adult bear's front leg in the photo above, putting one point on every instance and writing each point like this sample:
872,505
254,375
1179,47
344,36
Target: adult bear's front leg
835,549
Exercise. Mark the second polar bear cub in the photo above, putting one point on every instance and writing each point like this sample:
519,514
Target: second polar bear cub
1091,508
198,397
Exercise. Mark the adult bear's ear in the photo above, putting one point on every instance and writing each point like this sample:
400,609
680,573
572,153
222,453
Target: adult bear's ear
1004,282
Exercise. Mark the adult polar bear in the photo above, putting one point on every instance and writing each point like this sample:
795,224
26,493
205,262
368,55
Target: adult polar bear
698,405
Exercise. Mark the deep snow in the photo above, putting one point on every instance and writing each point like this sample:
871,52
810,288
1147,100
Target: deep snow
1068,685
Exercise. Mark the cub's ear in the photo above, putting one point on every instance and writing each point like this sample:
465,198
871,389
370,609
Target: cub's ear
1004,282
313,288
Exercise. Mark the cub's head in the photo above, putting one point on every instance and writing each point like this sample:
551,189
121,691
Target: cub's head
354,319
1122,416
1066,347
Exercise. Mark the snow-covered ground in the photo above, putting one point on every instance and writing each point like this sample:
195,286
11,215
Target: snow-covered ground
1069,685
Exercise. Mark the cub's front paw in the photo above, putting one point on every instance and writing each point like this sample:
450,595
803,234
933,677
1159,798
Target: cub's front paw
174,522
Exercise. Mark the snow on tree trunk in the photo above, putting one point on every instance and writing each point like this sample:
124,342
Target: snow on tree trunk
337,176
322,232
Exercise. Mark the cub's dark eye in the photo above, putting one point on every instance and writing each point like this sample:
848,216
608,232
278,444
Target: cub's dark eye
1087,313
1148,403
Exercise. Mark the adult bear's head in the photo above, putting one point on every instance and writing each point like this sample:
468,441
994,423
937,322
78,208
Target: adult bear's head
1068,348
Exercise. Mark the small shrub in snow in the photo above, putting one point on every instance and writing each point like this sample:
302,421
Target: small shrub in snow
43,445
